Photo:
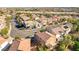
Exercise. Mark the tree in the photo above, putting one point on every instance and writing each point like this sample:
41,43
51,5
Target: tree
19,21
74,28
47,15
61,47
4,31
8,19
42,48
70,20
17,37
62,20
76,46
65,43
42,29
68,41
75,23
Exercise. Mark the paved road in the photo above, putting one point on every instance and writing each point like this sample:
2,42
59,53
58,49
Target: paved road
16,32
46,12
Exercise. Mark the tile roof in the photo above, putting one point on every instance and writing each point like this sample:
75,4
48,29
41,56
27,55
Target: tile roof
55,18
44,36
57,30
20,45
14,45
24,45
2,40
43,17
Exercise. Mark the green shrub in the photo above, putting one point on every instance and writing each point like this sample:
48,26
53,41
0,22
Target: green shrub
4,31
17,37
76,46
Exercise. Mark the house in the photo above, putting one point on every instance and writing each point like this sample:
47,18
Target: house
50,20
60,30
38,25
45,38
57,31
43,20
21,45
24,17
2,22
32,24
4,43
66,27
24,45
42,17
14,45
55,18
35,17
29,24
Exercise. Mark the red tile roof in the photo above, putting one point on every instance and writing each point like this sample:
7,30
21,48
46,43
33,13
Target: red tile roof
24,45
14,46
43,36
2,40
21,45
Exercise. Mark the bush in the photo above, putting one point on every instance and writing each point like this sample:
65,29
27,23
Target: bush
42,30
42,48
17,37
76,46
65,43
4,31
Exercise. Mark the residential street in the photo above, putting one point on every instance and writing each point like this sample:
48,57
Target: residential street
16,32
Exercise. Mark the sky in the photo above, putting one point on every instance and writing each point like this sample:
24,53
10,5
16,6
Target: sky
39,3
